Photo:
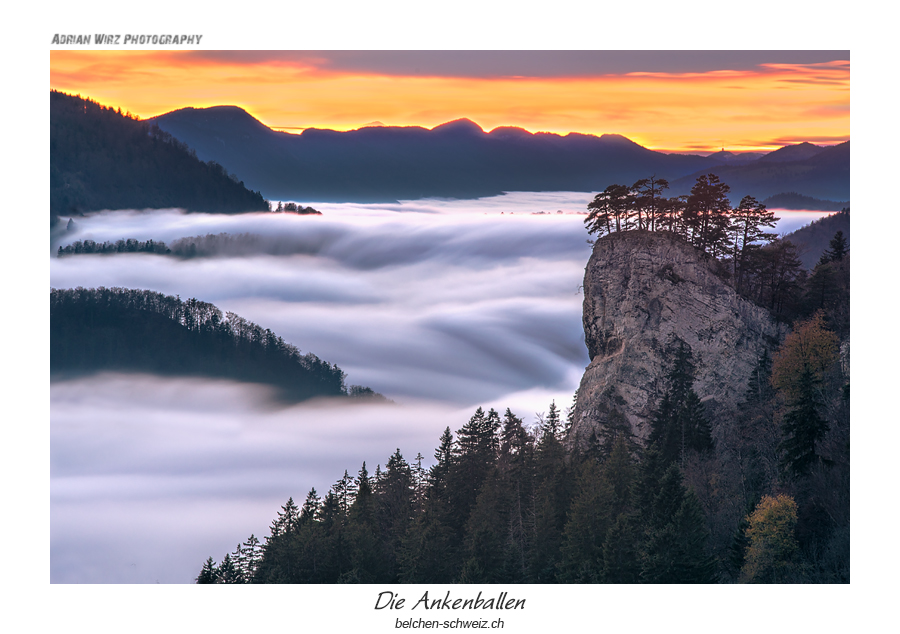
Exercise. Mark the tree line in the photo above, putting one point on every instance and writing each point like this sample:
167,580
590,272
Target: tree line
140,330
765,499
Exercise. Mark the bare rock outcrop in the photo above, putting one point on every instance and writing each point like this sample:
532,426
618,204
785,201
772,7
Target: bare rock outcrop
643,293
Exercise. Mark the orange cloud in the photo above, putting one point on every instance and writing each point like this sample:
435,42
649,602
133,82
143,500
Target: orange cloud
697,111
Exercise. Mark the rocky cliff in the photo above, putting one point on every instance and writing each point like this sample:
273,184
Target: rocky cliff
643,293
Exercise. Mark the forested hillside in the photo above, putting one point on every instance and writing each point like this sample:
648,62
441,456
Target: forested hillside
816,237
116,329
101,158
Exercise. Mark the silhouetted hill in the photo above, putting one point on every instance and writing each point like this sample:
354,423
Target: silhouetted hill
456,159
825,174
119,329
799,152
813,239
723,156
793,200
103,159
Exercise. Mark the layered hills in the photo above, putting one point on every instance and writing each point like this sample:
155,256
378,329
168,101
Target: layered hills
460,160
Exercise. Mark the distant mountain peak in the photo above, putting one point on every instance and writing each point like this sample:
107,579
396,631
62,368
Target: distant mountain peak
215,116
510,132
459,126
797,152
618,140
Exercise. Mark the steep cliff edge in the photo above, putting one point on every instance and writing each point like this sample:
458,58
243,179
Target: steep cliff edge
643,293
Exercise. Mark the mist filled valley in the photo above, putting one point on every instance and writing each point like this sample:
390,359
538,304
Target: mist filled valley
441,306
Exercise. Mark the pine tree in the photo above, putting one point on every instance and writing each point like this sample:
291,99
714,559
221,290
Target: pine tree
610,210
251,555
394,508
473,458
675,533
679,424
837,249
798,371
286,521
649,201
227,572
209,573
429,552
552,492
803,427
707,215
588,522
365,552
310,508
747,226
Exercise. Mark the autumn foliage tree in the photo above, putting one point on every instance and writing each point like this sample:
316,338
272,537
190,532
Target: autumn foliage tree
772,542
798,372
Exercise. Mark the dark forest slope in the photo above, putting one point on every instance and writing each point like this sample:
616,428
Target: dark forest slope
819,174
813,239
119,329
103,159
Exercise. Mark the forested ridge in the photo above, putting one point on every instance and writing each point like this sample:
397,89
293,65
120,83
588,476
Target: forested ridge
136,330
101,158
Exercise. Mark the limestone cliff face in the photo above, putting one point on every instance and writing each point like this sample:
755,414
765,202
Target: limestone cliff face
643,292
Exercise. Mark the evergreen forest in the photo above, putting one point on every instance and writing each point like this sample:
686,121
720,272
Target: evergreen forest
119,329
102,158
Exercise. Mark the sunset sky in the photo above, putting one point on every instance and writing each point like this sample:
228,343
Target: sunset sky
675,101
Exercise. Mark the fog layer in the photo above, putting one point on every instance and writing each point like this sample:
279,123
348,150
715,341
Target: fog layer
440,305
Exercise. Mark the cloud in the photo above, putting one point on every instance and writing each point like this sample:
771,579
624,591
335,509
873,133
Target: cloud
494,64
457,307
151,476
441,305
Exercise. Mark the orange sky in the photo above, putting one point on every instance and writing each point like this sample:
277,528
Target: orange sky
745,107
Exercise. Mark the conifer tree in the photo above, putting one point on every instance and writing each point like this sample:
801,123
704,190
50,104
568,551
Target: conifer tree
209,573
798,371
310,508
673,549
748,221
552,491
429,550
837,249
227,572
680,425
588,522
251,554
473,458
707,215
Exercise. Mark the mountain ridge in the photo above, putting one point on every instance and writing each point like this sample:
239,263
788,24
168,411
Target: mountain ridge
456,159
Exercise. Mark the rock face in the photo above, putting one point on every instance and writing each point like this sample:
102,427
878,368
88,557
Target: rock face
644,293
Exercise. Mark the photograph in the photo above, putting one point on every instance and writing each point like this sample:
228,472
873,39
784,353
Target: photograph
447,317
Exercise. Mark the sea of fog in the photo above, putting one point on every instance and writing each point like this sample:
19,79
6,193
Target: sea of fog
441,305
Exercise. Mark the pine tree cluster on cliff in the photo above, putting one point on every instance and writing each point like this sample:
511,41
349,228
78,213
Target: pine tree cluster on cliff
759,265
122,329
101,158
